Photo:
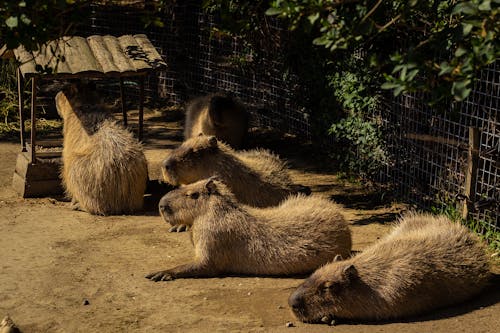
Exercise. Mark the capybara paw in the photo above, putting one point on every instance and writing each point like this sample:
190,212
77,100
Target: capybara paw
75,205
179,228
160,276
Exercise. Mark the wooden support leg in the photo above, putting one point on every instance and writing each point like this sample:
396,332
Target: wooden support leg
471,174
122,96
33,120
141,107
20,94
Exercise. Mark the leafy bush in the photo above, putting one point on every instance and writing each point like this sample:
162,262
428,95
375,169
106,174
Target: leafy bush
8,91
405,39
360,146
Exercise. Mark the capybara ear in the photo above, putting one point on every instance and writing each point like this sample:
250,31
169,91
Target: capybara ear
212,142
350,272
338,257
211,186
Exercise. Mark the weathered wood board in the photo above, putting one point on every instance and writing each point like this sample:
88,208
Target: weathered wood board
94,55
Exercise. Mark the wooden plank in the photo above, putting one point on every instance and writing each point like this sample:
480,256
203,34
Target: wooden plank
44,154
45,169
39,188
134,52
102,54
123,63
50,143
154,58
79,57
471,173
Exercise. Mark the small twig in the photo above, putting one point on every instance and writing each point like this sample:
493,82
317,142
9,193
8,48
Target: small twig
374,8
389,23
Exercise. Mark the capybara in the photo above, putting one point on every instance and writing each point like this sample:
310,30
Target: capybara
104,167
219,115
296,237
256,177
8,326
426,262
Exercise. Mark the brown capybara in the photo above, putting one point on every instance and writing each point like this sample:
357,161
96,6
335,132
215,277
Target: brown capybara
256,177
426,262
296,237
219,115
8,326
104,167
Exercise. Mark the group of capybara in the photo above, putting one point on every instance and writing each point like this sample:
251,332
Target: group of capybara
246,217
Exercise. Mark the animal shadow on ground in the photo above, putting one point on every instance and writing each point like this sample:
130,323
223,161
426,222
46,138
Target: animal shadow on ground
155,190
373,198
379,218
488,297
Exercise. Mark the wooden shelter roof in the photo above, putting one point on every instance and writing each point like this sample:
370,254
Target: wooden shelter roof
95,56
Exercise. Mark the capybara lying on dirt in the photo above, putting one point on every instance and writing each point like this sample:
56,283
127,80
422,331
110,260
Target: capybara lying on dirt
295,237
104,168
427,262
219,115
256,177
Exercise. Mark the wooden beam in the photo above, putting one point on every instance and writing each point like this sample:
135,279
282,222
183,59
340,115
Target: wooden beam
20,99
33,120
122,97
141,106
471,174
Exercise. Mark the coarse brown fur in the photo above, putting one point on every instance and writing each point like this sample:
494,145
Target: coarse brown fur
219,115
295,237
256,177
104,167
426,262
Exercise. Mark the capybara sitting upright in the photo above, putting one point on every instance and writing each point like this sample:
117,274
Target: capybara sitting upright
219,115
256,177
295,237
104,168
427,262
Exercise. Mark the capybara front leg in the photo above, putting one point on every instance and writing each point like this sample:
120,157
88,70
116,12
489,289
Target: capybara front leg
75,205
192,270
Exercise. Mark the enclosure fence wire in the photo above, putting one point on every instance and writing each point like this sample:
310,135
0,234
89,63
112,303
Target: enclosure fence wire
427,147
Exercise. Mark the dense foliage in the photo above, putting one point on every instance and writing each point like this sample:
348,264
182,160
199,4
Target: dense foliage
428,45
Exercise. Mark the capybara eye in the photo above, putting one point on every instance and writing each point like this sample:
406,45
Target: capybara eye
194,195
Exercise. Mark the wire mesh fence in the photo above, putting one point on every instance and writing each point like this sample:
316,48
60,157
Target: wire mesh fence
428,148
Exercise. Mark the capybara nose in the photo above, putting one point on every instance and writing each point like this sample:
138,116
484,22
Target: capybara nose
296,301
164,207
169,164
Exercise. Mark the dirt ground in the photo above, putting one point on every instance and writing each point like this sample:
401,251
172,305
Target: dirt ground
68,271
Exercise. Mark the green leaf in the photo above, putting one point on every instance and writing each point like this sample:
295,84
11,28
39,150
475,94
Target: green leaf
313,18
485,6
460,52
461,90
273,11
466,28
465,8
25,19
12,22
389,85
445,68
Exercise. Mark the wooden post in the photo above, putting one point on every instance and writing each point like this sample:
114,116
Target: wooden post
33,120
471,174
20,98
141,106
122,96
